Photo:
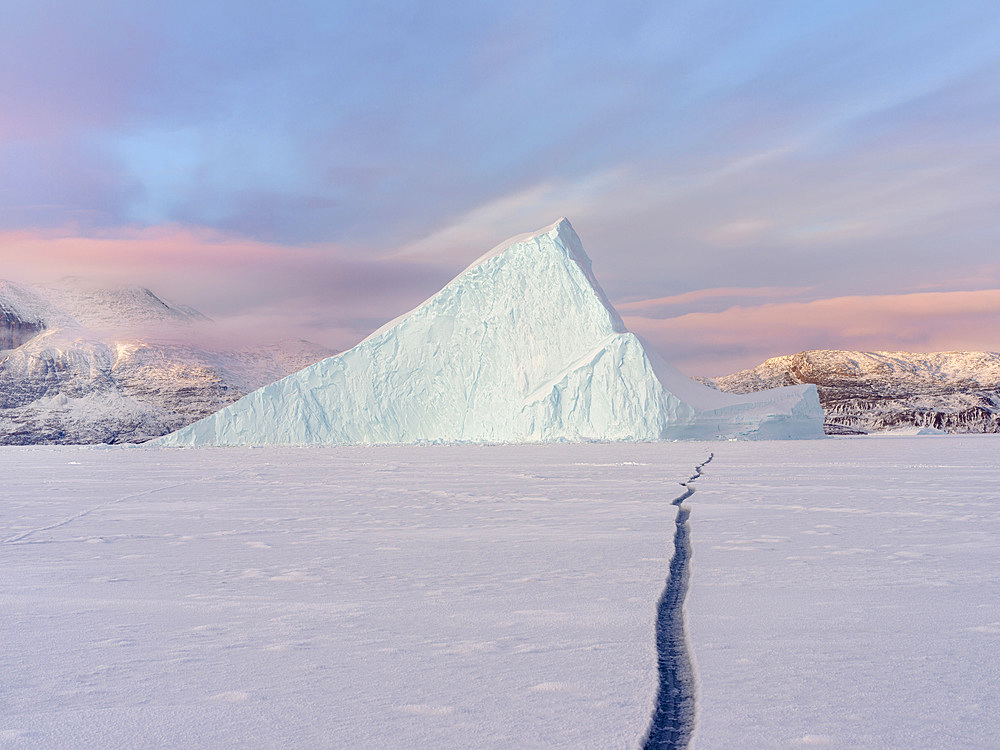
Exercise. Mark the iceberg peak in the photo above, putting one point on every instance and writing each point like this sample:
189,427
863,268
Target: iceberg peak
560,228
562,237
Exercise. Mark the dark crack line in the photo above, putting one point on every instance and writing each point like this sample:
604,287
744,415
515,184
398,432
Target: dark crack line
19,538
673,719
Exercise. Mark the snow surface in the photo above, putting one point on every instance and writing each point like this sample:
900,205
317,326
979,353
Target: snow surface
75,304
523,346
843,593
910,431
426,597
117,308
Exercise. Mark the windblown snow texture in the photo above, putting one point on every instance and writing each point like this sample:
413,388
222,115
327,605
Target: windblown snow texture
523,346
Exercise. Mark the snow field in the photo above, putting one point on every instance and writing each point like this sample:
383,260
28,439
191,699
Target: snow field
845,594
434,597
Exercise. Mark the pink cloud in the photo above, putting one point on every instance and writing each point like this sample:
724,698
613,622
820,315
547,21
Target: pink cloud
719,342
123,253
647,306
336,295
327,293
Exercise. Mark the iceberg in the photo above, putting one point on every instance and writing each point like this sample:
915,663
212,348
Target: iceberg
522,346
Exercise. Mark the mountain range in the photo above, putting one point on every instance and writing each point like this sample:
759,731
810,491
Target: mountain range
88,364
864,392
81,363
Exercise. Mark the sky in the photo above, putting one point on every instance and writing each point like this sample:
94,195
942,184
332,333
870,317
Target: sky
750,179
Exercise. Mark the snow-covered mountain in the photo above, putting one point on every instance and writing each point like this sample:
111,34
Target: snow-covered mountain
522,346
82,364
877,391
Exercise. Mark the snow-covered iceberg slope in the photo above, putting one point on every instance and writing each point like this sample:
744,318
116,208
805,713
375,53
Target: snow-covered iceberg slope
523,346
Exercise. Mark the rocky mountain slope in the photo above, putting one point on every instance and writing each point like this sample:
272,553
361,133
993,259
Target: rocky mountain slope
865,392
83,364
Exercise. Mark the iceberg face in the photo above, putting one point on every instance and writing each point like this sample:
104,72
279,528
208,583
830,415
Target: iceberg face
522,346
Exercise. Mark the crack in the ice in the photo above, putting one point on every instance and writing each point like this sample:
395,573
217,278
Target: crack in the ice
19,538
672,723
